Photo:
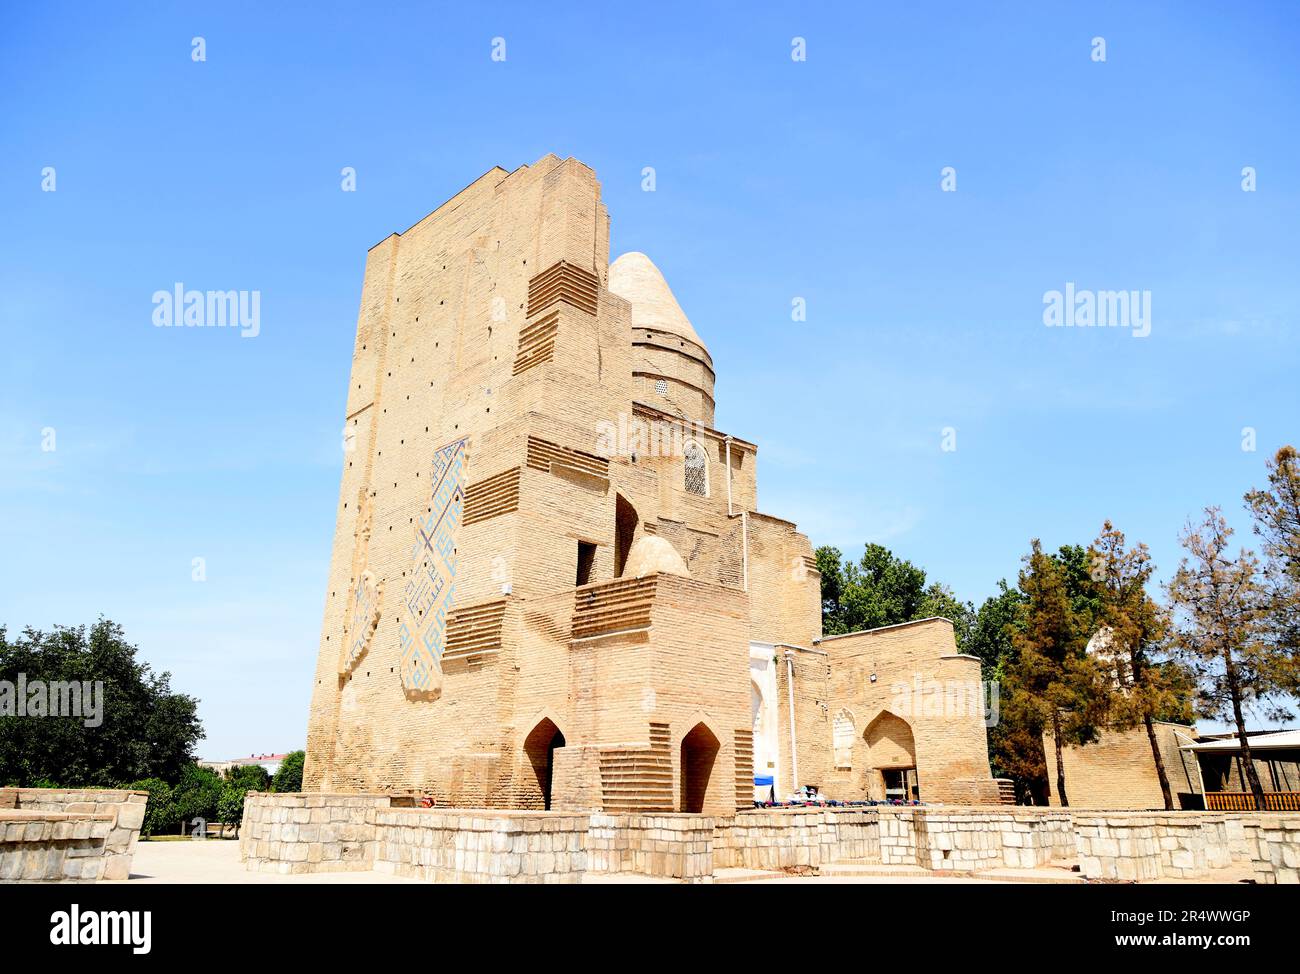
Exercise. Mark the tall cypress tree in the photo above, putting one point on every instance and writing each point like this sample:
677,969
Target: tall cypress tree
1054,684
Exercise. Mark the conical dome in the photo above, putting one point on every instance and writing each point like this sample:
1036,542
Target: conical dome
635,278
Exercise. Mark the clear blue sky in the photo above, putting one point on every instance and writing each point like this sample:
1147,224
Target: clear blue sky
775,180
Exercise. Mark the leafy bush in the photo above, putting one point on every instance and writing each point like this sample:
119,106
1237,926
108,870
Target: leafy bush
160,814
196,795
249,777
230,808
289,776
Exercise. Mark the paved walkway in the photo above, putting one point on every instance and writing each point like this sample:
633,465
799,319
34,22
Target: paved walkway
217,861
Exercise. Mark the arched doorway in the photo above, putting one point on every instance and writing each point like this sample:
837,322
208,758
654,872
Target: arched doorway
842,737
540,747
625,522
892,753
699,751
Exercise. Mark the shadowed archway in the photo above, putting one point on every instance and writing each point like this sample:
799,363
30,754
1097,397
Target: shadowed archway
699,752
625,522
540,745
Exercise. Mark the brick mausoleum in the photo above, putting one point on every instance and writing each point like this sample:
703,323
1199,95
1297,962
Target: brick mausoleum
551,585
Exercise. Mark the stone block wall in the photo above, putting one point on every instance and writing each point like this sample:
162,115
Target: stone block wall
302,833
1273,842
898,837
311,833
674,846
956,840
468,846
1155,845
125,809
774,839
53,847
1117,847
969,839
856,833
1031,839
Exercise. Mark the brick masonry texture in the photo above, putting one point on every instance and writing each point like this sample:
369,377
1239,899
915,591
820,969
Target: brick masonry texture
514,427
61,835
1118,771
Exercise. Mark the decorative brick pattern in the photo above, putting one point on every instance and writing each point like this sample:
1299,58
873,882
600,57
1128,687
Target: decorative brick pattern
497,495
537,343
546,456
474,633
613,606
565,282
521,413
638,779
430,591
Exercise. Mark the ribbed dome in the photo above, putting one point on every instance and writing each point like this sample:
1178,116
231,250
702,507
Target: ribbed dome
635,278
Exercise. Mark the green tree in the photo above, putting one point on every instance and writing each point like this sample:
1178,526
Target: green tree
160,813
1134,644
288,777
992,631
250,777
1015,743
197,795
147,730
230,806
239,781
883,590
1054,684
1223,606
1276,512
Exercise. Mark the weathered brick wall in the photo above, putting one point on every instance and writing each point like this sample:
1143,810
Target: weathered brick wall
901,838
1130,845
920,682
488,329
443,306
812,724
856,834
1119,772
1125,845
784,584
310,833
